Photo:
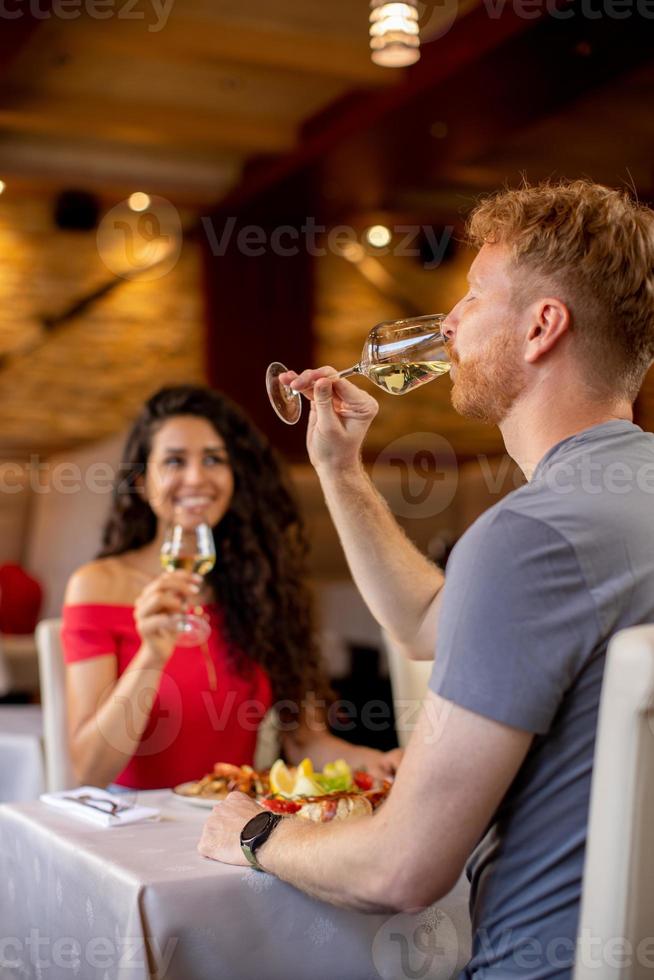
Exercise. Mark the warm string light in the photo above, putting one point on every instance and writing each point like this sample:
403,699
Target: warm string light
394,33
2,186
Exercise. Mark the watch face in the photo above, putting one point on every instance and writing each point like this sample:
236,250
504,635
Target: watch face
256,826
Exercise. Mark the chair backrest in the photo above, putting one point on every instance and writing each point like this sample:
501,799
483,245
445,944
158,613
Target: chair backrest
5,677
58,767
409,680
617,908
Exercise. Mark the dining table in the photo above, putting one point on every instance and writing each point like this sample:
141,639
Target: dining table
79,901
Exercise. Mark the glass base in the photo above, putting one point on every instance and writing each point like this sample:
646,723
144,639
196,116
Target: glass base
192,630
287,403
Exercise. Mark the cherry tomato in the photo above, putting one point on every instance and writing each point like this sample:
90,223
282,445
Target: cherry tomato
281,806
363,781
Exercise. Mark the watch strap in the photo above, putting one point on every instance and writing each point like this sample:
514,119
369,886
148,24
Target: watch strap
250,846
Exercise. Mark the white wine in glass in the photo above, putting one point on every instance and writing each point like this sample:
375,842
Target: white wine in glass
191,549
398,356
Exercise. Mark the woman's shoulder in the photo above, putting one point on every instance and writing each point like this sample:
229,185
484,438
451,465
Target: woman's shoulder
105,581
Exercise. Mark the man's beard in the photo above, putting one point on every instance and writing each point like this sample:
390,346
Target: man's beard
488,384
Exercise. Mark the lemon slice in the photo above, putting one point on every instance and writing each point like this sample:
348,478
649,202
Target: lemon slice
282,779
338,768
304,786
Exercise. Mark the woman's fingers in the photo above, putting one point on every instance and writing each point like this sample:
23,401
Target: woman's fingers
161,625
178,582
158,602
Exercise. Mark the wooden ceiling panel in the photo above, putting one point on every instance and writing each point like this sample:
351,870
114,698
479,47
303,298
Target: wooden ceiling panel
616,151
145,125
199,86
218,81
344,18
245,42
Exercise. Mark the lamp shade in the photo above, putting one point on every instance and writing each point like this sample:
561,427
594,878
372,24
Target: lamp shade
394,33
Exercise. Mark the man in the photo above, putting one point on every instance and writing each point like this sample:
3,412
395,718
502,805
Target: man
551,343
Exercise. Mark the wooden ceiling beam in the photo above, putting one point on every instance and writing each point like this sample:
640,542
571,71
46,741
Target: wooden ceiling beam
148,125
99,166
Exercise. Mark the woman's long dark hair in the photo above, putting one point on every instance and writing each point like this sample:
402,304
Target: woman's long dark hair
259,578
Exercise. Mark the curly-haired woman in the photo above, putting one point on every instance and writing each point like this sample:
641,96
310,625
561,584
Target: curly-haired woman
144,713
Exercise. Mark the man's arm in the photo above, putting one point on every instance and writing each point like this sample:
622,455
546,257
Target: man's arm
455,772
398,583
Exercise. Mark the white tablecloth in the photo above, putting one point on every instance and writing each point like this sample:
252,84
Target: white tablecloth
137,902
21,753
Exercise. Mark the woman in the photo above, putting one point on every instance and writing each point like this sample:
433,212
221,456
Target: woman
143,713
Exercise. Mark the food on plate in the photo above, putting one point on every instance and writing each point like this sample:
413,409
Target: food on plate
333,794
224,779
321,809
336,793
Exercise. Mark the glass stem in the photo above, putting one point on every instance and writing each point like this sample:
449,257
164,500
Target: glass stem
353,370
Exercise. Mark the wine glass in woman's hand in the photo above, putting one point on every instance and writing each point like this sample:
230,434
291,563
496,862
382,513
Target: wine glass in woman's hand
190,549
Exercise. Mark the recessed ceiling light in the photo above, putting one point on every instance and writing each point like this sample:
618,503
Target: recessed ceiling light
138,201
379,236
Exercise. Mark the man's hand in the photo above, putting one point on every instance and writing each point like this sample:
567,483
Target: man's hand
221,836
340,417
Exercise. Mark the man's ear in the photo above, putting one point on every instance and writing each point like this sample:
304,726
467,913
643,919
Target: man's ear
550,323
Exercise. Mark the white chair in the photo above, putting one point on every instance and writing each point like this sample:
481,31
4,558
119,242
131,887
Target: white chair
59,769
617,908
5,678
409,681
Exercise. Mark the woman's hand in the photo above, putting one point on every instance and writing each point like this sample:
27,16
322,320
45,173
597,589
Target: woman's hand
316,743
379,765
163,598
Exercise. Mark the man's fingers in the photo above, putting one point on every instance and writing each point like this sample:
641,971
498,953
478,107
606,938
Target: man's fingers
323,401
304,382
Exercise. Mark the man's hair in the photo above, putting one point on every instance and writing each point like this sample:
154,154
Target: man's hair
594,247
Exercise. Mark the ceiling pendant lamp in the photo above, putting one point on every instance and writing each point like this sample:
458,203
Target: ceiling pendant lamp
394,33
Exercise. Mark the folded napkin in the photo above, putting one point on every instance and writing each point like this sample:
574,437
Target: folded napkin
99,806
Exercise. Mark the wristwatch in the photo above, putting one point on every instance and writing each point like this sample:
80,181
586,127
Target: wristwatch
256,832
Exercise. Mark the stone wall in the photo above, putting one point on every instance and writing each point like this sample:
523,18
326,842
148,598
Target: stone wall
84,380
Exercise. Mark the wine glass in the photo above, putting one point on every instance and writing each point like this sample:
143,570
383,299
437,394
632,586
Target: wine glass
398,356
192,549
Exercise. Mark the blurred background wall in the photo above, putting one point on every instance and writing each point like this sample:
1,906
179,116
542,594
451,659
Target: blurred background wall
263,145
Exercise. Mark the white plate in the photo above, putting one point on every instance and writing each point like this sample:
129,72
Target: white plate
202,801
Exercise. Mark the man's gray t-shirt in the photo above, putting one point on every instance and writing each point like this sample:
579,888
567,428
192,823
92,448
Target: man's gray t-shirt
534,591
